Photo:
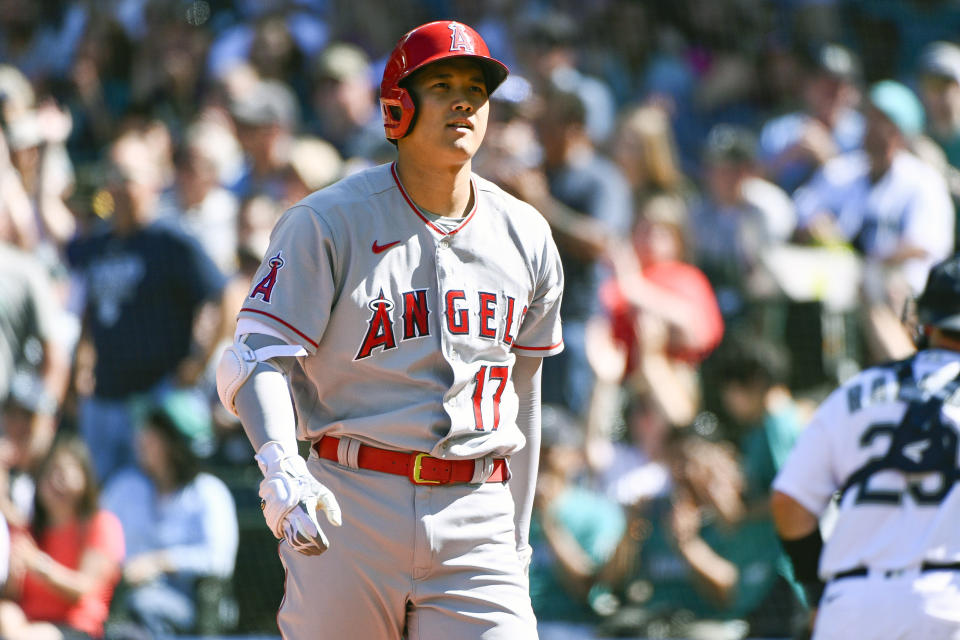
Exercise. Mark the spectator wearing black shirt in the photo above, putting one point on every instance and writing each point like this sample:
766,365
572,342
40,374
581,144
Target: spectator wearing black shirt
146,286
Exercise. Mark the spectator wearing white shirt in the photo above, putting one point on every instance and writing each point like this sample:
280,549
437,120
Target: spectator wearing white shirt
180,524
891,206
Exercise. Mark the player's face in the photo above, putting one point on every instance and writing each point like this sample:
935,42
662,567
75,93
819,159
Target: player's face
452,110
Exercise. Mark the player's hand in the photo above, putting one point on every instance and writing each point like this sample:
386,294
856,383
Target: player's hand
291,497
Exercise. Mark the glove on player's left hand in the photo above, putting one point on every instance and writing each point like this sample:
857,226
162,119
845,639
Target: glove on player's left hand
291,497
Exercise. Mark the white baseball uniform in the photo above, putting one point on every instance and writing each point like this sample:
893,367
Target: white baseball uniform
891,561
412,324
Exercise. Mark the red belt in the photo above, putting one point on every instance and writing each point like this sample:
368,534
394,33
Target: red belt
420,468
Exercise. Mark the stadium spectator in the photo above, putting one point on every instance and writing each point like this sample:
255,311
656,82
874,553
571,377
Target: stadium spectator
36,140
662,309
180,523
732,226
549,56
63,570
645,151
632,468
146,286
40,39
344,98
587,202
696,569
939,83
164,72
939,79
196,199
573,532
18,224
894,208
29,427
98,87
266,115
793,146
765,422
31,324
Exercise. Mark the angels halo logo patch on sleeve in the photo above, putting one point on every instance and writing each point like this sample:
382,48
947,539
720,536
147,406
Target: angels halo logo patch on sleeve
265,287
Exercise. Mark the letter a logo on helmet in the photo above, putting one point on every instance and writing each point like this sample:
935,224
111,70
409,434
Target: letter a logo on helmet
428,43
459,38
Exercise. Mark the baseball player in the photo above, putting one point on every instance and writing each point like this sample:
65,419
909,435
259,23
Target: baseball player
407,309
886,442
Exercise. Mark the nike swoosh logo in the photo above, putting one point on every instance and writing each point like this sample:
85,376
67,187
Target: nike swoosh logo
380,248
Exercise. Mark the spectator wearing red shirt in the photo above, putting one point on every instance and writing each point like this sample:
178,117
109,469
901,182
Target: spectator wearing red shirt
661,310
64,570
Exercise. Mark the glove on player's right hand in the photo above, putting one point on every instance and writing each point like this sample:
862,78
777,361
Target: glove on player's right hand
290,499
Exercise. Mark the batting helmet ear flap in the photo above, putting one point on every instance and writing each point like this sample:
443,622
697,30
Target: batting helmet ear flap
398,111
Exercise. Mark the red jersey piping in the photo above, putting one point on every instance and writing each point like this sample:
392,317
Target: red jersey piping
553,346
313,343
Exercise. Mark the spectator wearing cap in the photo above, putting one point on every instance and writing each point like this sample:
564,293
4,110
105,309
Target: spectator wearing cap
737,219
939,80
180,523
794,145
345,101
145,288
574,531
266,115
892,207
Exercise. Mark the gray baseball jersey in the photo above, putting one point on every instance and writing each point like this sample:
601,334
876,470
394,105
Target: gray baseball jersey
411,329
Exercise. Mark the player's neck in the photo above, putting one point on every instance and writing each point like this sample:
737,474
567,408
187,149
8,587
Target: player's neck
442,191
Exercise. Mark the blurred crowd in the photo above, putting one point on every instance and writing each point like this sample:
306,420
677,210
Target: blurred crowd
746,194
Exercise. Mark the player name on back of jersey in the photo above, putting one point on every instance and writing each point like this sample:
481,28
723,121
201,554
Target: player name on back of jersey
463,314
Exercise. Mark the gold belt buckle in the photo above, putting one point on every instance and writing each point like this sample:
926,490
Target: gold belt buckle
415,475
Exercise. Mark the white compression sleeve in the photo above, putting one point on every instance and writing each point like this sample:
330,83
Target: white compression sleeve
264,403
525,463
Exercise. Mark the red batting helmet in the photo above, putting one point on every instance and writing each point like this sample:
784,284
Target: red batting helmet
429,43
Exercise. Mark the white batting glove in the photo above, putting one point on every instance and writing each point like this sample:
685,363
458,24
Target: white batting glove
291,497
